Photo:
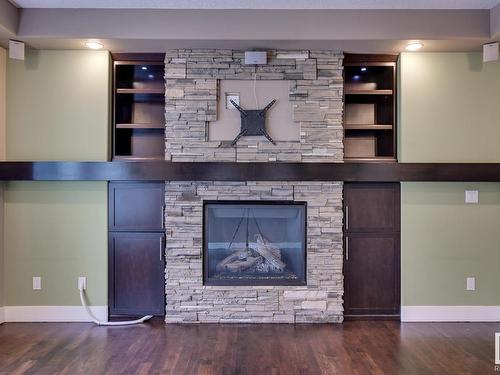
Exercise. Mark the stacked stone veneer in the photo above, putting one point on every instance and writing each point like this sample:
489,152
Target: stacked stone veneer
191,102
188,300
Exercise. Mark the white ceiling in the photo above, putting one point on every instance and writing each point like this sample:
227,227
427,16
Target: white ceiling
259,4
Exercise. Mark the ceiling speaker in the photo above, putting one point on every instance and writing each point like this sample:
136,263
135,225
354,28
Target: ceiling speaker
490,52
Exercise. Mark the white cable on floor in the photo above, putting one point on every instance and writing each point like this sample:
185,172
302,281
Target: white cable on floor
99,323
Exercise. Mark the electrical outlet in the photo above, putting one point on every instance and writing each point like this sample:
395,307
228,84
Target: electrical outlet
82,283
471,283
471,196
37,283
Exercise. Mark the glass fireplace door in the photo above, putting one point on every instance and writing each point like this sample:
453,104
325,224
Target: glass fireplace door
254,243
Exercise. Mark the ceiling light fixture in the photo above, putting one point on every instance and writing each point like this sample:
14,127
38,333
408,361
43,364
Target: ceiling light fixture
144,68
414,46
93,44
363,69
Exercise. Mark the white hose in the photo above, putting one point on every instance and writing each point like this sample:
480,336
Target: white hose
99,323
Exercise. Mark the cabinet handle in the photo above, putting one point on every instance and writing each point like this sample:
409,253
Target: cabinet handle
161,248
347,248
162,217
347,217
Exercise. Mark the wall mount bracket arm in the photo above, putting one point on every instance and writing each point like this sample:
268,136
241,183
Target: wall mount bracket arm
253,122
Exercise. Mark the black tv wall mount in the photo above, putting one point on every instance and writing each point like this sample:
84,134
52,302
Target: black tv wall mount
253,122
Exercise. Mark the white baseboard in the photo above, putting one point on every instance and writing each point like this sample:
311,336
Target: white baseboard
2,315
450,313
53,313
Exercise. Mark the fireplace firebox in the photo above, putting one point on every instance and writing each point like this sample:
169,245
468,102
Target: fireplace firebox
254,243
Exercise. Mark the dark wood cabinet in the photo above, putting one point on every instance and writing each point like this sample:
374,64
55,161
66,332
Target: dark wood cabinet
372,207
138,106
136,206
370,98
136,269
136,263
372,250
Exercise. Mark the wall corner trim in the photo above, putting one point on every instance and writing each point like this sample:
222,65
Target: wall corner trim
51,313
2,315
450,313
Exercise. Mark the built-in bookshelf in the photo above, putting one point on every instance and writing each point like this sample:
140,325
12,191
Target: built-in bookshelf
138,106
370,108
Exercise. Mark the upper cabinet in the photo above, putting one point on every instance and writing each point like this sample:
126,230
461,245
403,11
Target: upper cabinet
139,106
370,108
136,206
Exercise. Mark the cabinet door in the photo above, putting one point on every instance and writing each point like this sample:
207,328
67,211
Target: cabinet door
136,273
372,280
136,206
372,207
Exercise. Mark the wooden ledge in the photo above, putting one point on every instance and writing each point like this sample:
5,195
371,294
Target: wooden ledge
218,171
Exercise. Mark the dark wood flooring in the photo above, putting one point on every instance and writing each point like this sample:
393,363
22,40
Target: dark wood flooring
349,348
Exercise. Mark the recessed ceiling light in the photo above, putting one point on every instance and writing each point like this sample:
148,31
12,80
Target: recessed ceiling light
94,45
363,69
144,67
415,46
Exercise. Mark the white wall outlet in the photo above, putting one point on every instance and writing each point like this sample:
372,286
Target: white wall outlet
235,97
471,283
471,196
82,283
37,283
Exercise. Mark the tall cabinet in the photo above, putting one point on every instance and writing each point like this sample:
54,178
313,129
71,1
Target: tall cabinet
136,261
372,250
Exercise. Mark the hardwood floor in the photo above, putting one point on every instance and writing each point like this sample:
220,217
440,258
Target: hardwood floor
349,348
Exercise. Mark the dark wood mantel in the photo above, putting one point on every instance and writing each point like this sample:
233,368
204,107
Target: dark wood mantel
162,170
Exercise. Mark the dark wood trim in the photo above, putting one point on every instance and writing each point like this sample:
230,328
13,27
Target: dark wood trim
355,58
138,57
219,171
348,318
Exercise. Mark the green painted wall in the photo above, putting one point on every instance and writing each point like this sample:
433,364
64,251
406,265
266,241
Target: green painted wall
57,231
444,241
449,112
58,106
57,109
449,108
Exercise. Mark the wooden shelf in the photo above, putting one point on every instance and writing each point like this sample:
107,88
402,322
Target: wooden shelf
140,126
370,119
139,108
367,127
368,92
141,91
351,171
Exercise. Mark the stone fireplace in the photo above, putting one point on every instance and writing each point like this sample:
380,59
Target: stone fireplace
253,251
189,299
254,243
